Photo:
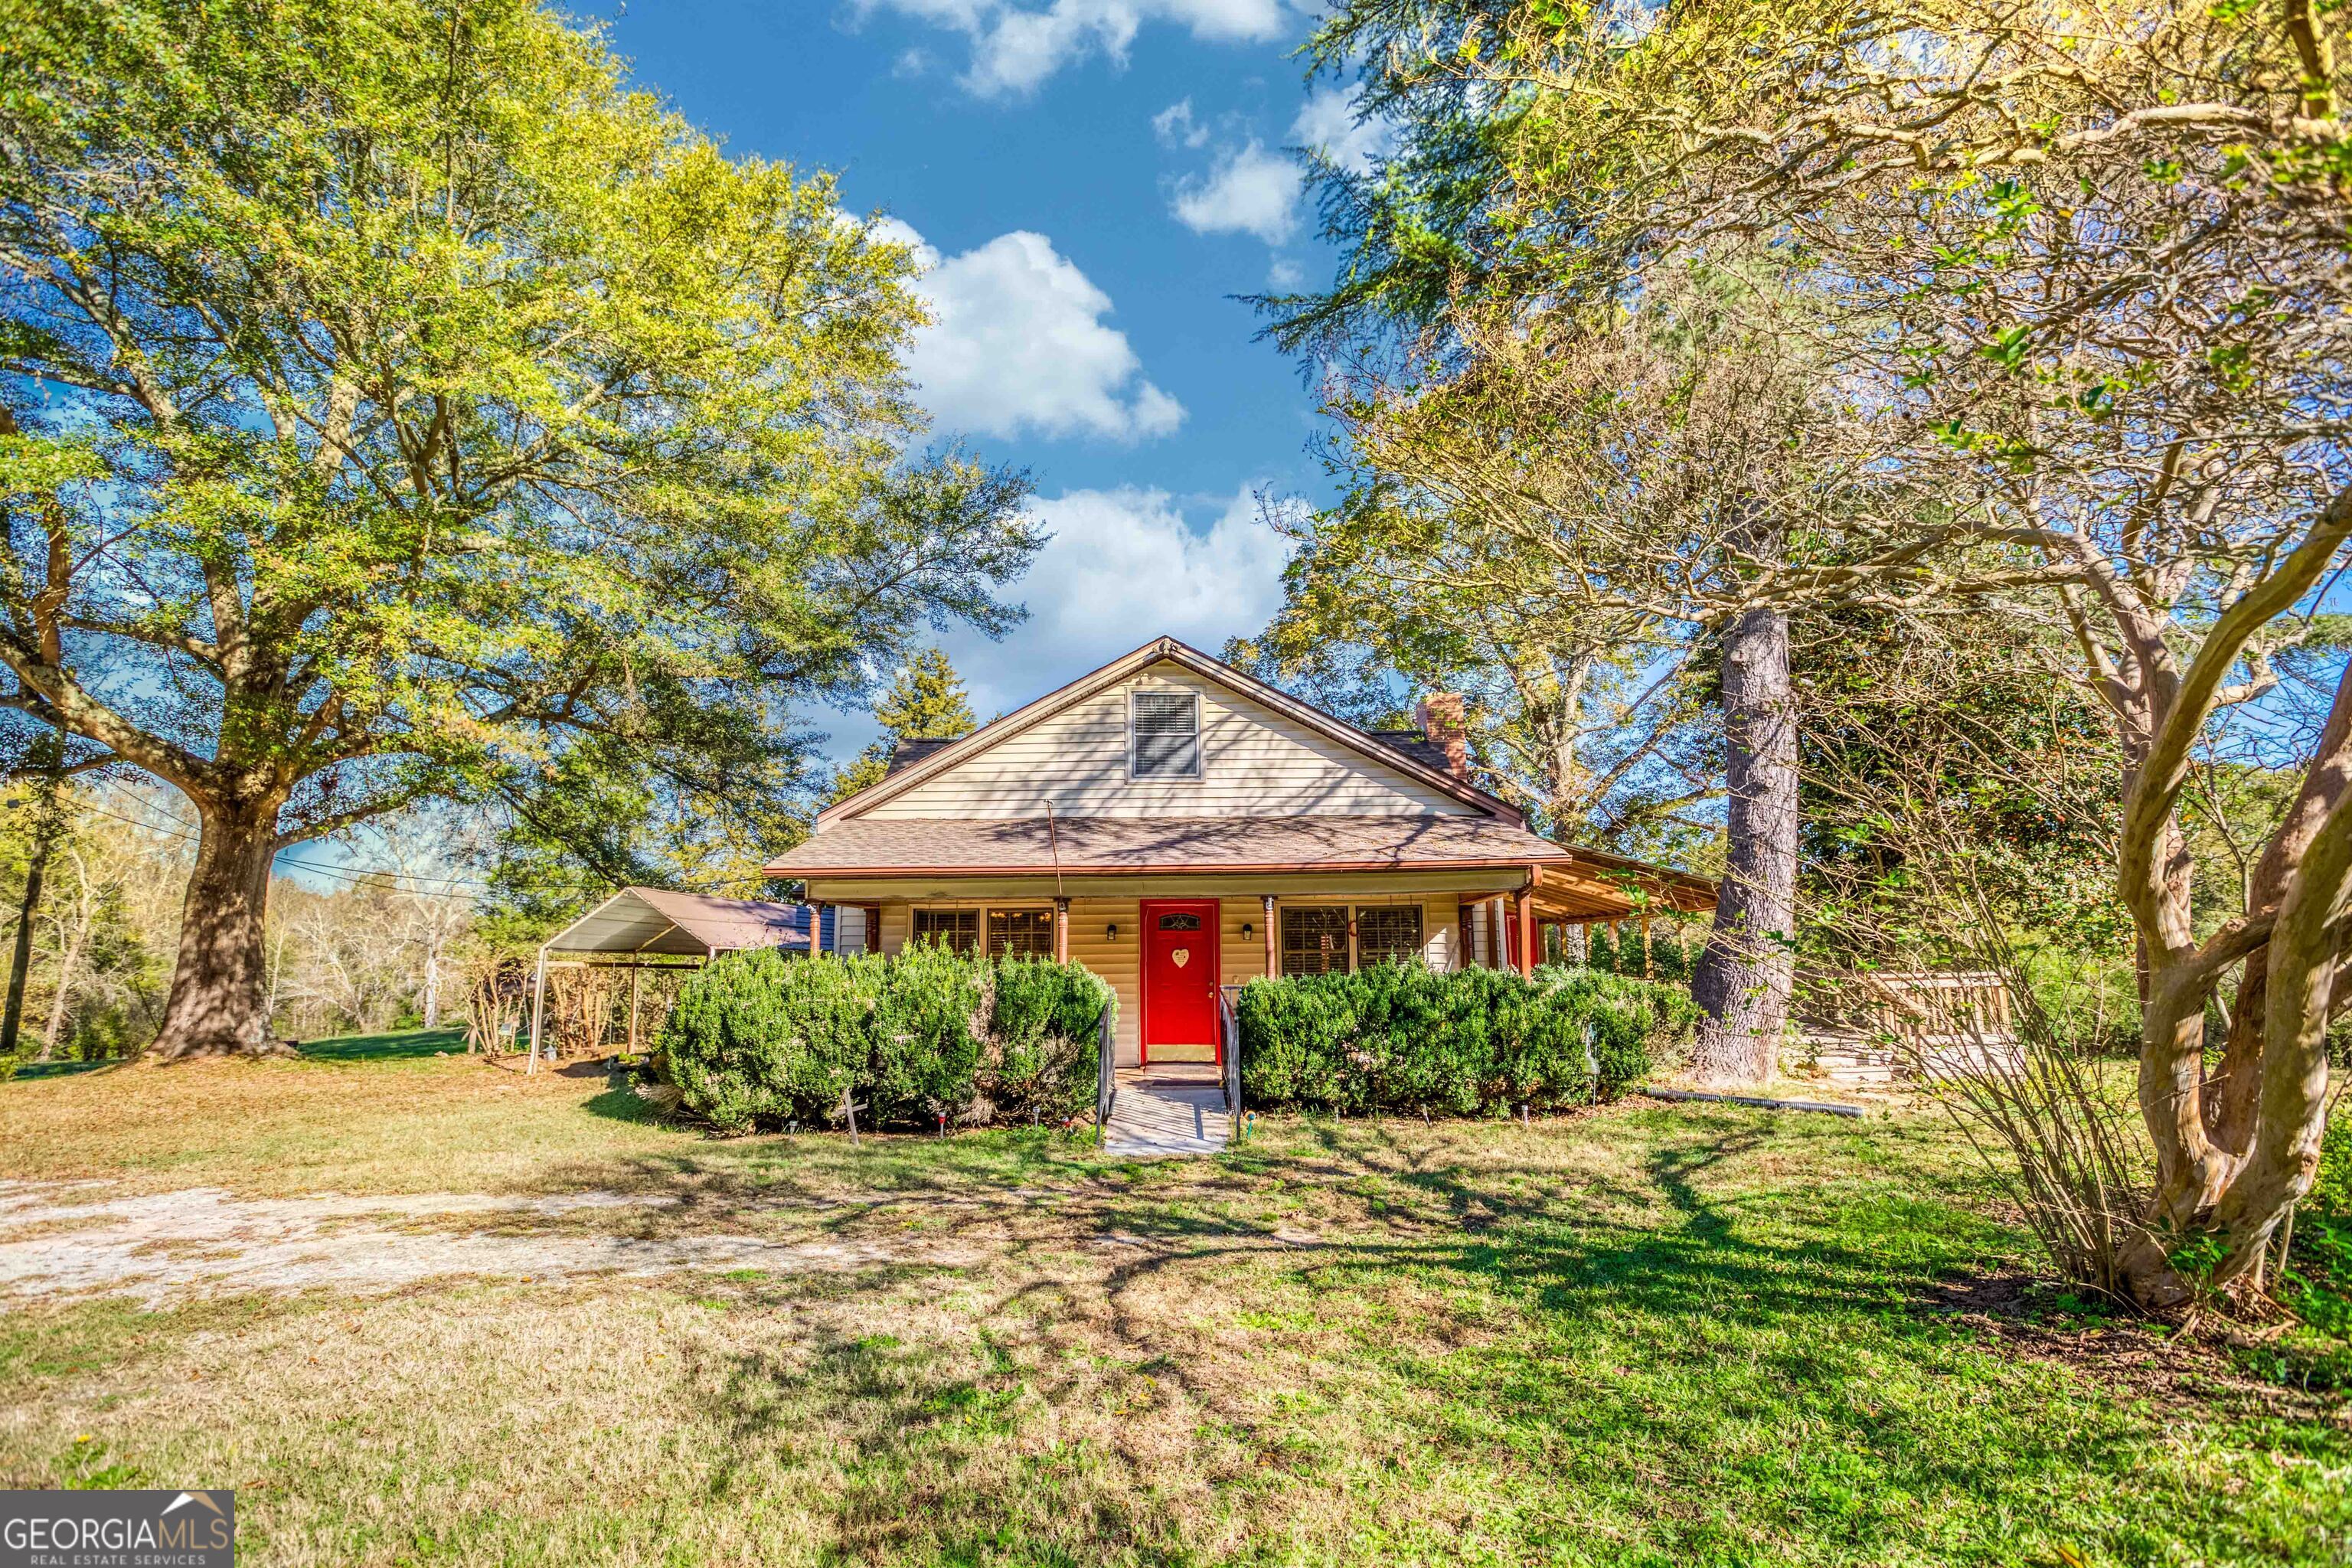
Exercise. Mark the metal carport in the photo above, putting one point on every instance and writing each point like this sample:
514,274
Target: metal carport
637,925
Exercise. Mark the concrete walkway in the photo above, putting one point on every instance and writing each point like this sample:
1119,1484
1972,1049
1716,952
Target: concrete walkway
1171,1111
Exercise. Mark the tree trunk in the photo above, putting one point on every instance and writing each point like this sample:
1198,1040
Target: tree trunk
12,1014
2233,1091
69,960
215,1008
1744,978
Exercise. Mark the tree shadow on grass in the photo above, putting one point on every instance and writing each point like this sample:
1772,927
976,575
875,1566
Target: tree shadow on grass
399,1044
1747,1366
921,1449
31,1072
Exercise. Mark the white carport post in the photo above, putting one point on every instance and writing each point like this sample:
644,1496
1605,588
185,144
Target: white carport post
538,1007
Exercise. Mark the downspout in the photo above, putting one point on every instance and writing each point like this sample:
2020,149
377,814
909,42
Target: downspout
1528,923
1054,846
1061,901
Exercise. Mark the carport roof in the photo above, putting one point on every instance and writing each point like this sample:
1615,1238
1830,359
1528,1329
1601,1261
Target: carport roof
695,925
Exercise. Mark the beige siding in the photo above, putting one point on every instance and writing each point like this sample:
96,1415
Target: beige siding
1441,933
898,924
1117,961
1242,957
1254,761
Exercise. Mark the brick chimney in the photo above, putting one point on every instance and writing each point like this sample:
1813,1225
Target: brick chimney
1439,715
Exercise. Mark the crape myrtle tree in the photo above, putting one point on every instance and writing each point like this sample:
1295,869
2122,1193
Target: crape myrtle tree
2087,258
398,401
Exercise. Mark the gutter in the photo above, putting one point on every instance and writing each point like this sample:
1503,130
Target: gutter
1181,869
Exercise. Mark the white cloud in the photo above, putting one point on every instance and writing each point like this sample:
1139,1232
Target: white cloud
1124,566
1175,127
1015,49
1248,191
1327,121
1017,342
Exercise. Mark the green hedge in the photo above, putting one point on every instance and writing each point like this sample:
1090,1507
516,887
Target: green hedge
1471,1042
1667,959
759,1039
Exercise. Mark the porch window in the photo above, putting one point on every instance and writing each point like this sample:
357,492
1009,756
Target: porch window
1385,931
958,930
1314,939
1164,734
1021,931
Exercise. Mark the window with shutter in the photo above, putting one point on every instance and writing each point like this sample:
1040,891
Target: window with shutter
1165,742
1386,931
956,930
1314,939
1021,931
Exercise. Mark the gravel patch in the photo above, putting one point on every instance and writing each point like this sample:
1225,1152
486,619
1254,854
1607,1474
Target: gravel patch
68,1238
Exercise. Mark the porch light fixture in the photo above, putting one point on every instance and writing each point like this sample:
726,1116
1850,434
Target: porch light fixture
1110,932
1248,930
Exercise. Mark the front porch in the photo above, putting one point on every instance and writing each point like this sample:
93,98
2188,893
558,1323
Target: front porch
1168,945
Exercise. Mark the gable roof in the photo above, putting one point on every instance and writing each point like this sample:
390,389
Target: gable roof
1386,751
1414,743
654,920
907,753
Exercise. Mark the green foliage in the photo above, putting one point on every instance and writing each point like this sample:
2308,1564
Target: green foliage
763,1039
1640,957
1040,1008
448,400
2318,1277
1469,1042
926,702
926,1055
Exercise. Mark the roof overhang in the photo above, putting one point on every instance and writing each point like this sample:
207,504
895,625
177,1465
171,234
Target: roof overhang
1594,887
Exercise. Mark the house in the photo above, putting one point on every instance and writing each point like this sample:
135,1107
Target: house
1177,827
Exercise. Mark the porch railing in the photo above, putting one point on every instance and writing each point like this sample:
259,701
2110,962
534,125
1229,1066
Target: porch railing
1105,1070
1229,1026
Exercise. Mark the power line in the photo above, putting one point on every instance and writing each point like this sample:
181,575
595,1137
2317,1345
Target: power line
351,873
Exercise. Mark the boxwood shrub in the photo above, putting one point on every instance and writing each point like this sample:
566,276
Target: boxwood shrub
1471,1042
760,1040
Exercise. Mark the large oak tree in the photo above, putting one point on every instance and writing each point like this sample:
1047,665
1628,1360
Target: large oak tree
395,397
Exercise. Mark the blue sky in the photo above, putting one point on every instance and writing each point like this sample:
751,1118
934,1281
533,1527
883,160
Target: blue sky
1092,182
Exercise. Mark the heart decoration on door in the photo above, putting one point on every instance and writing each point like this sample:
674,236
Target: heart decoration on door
1180,957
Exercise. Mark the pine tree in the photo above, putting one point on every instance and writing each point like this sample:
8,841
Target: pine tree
926,702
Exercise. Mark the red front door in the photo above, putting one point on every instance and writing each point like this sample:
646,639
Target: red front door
1179,980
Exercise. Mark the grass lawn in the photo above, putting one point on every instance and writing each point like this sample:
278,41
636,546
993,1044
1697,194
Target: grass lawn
1645,1335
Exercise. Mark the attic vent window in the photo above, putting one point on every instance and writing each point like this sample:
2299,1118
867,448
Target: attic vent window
1165,735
